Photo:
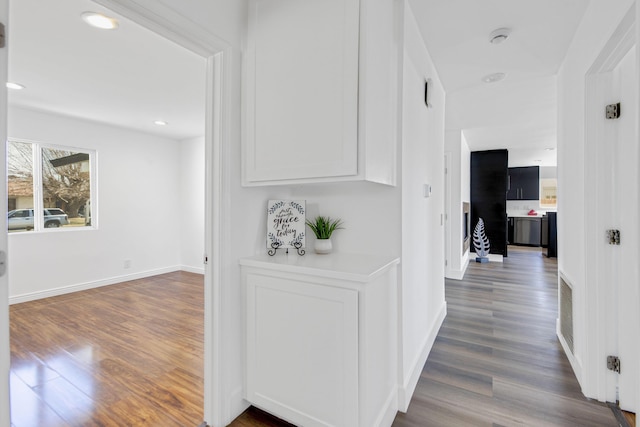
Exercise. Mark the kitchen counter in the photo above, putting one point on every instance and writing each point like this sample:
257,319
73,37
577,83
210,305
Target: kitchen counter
538,215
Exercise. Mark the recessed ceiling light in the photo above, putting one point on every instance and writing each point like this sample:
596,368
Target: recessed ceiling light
160,123
499,35
495,77
16,86
99,20
550,149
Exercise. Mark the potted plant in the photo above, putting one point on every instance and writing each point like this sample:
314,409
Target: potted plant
323,227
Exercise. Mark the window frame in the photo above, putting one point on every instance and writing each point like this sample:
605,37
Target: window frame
38,190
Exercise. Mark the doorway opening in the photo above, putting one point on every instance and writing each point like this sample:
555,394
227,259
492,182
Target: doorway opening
212,50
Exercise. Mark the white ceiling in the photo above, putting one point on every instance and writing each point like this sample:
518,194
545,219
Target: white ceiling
128,77
519,112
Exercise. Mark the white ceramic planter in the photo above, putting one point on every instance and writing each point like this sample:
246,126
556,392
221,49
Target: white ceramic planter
323,246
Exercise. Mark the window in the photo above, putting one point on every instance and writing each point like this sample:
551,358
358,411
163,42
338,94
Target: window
49,186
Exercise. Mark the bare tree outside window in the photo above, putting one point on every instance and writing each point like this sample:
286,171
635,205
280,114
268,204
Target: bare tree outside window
65,176
66,180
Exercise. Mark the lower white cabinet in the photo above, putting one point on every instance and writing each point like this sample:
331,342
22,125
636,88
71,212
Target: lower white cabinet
321,334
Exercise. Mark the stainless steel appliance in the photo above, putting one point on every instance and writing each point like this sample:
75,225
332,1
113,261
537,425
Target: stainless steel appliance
527,231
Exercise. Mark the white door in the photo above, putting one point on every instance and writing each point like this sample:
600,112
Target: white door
617,204
4,283
625,206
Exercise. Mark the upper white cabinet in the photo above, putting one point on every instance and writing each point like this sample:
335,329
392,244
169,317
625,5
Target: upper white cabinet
320,92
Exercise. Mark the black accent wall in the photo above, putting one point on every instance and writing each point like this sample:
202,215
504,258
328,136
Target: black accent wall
489,181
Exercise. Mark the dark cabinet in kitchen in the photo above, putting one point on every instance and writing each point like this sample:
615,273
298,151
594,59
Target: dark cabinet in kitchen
488,196
524,183
510,230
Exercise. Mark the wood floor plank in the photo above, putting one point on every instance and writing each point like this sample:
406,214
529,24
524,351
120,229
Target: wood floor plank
500,325
129,354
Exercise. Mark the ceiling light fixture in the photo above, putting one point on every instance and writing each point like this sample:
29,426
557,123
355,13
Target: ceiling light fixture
499,35
99,20
550,149
15,86
160,123
493,78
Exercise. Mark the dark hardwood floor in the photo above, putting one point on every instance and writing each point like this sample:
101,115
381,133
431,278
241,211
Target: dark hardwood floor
129,354
630,418
496,360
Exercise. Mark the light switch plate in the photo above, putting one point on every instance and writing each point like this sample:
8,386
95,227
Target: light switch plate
427,190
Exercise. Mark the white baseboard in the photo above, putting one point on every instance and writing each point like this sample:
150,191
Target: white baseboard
492,258
190,269
458,274
409,383
495,258
576,365
387,414
237,404
89,285
455,274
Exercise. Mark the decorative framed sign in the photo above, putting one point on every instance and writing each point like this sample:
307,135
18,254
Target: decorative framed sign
286,225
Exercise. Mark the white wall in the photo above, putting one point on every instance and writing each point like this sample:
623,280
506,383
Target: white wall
422,286
363,206
460,176
599,22
548,172
191,205
369,211
138,204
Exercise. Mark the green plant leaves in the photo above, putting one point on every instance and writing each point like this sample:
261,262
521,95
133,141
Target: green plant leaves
324,226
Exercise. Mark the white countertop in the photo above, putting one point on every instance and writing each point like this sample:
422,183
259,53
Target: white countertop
337,265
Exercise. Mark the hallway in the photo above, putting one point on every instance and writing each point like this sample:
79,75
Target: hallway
497,361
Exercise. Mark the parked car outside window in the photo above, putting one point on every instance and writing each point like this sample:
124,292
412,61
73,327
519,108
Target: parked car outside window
22,219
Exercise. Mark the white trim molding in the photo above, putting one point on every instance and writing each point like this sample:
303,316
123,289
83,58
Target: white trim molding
592,334
408,384
17,299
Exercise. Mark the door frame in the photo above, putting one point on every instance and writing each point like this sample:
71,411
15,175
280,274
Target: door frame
217,52
5,352
596,381
448,256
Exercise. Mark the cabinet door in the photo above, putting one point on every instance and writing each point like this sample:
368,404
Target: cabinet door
530,183
301,90
514,182
524,183
302,350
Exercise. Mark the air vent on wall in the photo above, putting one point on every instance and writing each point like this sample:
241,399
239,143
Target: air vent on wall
566,312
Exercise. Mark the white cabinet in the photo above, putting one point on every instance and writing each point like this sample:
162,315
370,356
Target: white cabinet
322,338
320,92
